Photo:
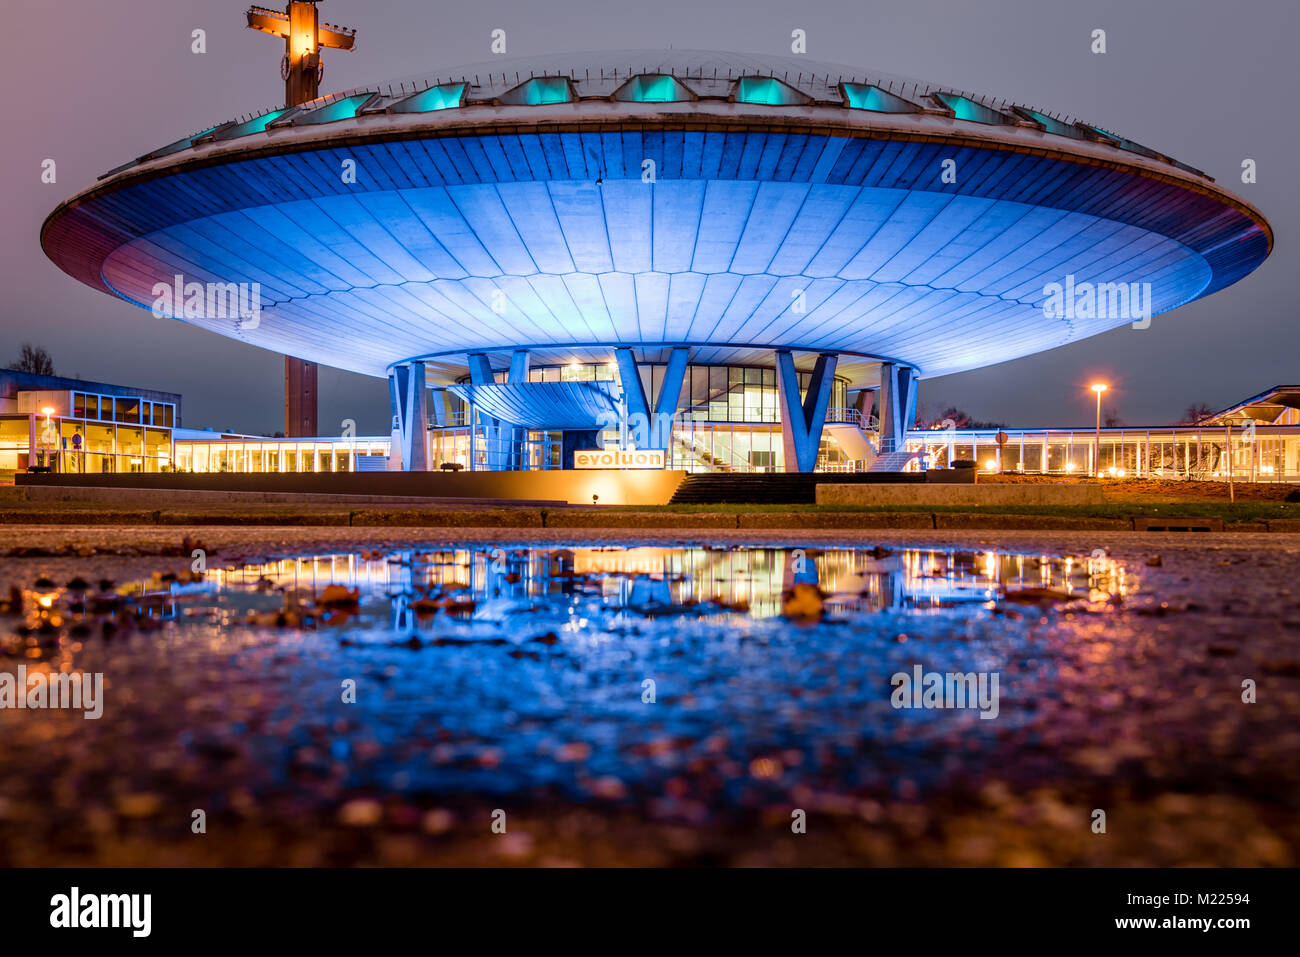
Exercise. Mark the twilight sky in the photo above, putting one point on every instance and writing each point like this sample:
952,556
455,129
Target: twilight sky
1210,82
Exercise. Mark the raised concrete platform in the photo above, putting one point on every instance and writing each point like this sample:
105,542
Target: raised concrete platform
992,495
171,497
573,487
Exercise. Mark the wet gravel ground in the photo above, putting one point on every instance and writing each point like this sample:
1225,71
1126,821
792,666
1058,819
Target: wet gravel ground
1124,698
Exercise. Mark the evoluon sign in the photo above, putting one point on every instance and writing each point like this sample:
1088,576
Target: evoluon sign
618,459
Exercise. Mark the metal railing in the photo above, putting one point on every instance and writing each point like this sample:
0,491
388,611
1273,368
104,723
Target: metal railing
851,416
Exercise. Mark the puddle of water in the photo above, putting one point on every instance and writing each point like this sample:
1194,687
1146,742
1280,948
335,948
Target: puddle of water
704,674
487,586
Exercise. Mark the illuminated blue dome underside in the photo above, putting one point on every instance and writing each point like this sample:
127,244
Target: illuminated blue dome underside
946,279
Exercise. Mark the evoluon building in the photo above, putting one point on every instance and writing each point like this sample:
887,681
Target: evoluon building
727,260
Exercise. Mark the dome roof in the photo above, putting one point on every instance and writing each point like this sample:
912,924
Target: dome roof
732,203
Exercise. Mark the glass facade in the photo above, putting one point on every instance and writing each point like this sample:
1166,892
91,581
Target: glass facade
1264,454
256,454
729,420
129,410
14,438
98,434
709,393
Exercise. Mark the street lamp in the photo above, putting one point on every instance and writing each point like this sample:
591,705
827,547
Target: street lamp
47,411
1099,388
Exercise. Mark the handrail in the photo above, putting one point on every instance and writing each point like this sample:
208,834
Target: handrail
739,464
851,416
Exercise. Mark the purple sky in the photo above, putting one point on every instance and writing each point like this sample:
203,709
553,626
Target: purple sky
92,84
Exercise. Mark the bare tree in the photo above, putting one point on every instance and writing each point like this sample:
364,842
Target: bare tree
33,359
959,419
1195,413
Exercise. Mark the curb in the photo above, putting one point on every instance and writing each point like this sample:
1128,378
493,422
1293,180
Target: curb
579,517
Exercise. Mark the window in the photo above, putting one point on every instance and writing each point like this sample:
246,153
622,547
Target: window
1127,145
78,405
859,96
540,91
257,124
653,88
181,144
127,410
446,97
717,393
967,109
343,109
1049,123
768,91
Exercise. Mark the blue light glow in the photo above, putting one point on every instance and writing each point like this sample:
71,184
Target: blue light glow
495,240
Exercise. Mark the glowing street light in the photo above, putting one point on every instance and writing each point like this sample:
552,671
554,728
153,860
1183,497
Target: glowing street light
47,411
1099,388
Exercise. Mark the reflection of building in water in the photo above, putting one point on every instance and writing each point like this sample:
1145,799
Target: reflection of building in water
501,581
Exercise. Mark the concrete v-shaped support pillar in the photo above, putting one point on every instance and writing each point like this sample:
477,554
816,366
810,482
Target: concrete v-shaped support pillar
897,400
519,362
480,373
802,421
504,441
659,419
408,399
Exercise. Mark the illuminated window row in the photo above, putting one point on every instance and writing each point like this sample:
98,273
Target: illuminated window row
274,455
126,409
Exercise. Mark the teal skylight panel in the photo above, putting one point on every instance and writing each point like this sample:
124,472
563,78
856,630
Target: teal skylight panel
448,96
1124,144
862,96
1051,124
179,145
967,109
767,91
653,88
540,91
257,124
343,109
